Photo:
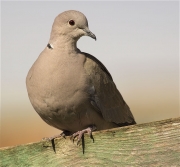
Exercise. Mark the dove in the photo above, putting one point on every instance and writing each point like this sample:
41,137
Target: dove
72,90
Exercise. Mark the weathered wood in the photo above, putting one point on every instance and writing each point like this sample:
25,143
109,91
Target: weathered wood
149,144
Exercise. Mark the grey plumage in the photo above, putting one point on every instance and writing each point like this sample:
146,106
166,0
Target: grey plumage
72,90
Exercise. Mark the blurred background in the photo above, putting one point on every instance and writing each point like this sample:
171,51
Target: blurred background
137,41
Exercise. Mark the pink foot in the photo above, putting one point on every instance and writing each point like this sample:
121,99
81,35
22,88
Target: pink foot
79,134
63,134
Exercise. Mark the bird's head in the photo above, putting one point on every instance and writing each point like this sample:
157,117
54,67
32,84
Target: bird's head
71,24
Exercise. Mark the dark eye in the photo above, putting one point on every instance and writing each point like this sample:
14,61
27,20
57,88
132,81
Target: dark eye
71,22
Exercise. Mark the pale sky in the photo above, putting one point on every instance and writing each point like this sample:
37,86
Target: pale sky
137,41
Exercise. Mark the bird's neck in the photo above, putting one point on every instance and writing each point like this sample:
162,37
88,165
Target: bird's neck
64,43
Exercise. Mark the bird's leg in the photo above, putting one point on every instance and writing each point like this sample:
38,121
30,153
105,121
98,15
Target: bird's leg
79,134
63,134
53,137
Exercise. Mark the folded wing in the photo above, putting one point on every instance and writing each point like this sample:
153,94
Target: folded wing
104,94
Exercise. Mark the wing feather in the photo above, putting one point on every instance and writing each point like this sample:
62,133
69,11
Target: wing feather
105,95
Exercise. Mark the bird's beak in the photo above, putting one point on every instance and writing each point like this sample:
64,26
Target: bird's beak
89,33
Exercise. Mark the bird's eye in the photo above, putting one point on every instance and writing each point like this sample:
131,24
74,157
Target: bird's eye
71,22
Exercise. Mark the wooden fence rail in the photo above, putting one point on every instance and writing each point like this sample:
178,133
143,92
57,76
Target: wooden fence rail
149,144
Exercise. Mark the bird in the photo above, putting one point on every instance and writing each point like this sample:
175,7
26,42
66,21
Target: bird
72,90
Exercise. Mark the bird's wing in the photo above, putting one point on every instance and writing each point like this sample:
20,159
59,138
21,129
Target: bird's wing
104,95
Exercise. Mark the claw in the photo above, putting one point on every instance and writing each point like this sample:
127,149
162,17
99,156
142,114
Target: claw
53,137
63,134
79,134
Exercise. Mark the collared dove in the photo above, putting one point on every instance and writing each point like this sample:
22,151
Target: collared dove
72,90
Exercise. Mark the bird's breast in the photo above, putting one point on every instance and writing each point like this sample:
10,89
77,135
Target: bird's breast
55,84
